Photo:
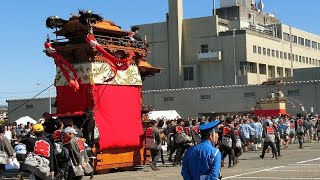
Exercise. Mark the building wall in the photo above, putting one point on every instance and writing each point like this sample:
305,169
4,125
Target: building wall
156,34
191,101
205,31
305,74
34,108
232,98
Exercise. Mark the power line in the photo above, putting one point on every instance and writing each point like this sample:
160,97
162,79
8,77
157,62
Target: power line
18,92
30,99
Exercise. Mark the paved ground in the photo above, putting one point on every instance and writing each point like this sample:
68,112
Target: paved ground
293,164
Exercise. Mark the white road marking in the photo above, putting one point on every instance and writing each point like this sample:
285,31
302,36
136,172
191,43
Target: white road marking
253,172
308,161
304,164
273,178
291,170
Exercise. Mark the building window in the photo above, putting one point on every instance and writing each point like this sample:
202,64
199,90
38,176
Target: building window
268,52
259,50
188,73
262,69
297,58
287,72
278,72
205,97
249,94
300,59
251,67
314,45
285,55
264,51
301,41
313,61
286,36
289,56
168,99
318,46
307,60
273,53
295,39
243,68
270,72
303,59
307,43
204,48
254,49
29,106
293,92
281,55
310,61
277,54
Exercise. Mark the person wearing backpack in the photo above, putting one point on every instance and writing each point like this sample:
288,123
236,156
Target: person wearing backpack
238,147
318,129
182,141
153,143
269,139
228,142
6,150
300,132
194,132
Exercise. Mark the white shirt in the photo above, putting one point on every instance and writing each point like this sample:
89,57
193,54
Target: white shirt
8,135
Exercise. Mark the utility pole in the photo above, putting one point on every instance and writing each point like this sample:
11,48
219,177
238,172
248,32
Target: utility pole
291,51
234,56
214,8
49,101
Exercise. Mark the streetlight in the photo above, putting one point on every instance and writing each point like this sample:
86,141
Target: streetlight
234,56
49,97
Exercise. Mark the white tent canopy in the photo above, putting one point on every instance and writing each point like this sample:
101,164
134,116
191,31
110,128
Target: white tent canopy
24,120
166,115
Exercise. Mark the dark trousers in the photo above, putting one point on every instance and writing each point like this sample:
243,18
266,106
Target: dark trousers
237,152
171,149
228,151
265,147
181,148
300,139
155,155
161,153
278,146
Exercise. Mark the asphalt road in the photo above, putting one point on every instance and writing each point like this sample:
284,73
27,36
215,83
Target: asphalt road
295,163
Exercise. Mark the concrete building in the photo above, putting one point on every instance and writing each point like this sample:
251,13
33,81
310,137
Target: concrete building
205,100
238,44
33,108
234,98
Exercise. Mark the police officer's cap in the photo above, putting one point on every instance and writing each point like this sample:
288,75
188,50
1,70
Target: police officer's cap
208,126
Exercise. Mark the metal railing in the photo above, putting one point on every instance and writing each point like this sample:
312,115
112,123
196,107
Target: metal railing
103,40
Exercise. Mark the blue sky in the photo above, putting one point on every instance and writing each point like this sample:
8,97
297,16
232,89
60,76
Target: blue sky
23,31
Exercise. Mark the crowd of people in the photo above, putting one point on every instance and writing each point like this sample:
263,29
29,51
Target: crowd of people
233,135
57,148
53,149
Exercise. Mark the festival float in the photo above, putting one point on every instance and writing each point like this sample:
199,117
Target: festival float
271,106
100,69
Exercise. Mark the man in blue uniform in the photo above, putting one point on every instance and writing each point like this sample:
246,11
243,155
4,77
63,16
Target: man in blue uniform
203,161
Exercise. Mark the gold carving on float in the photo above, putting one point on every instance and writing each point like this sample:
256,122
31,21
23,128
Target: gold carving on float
99,72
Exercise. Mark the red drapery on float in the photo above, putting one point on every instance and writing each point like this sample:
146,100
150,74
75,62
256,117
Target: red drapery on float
117,111
115,63
63,64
